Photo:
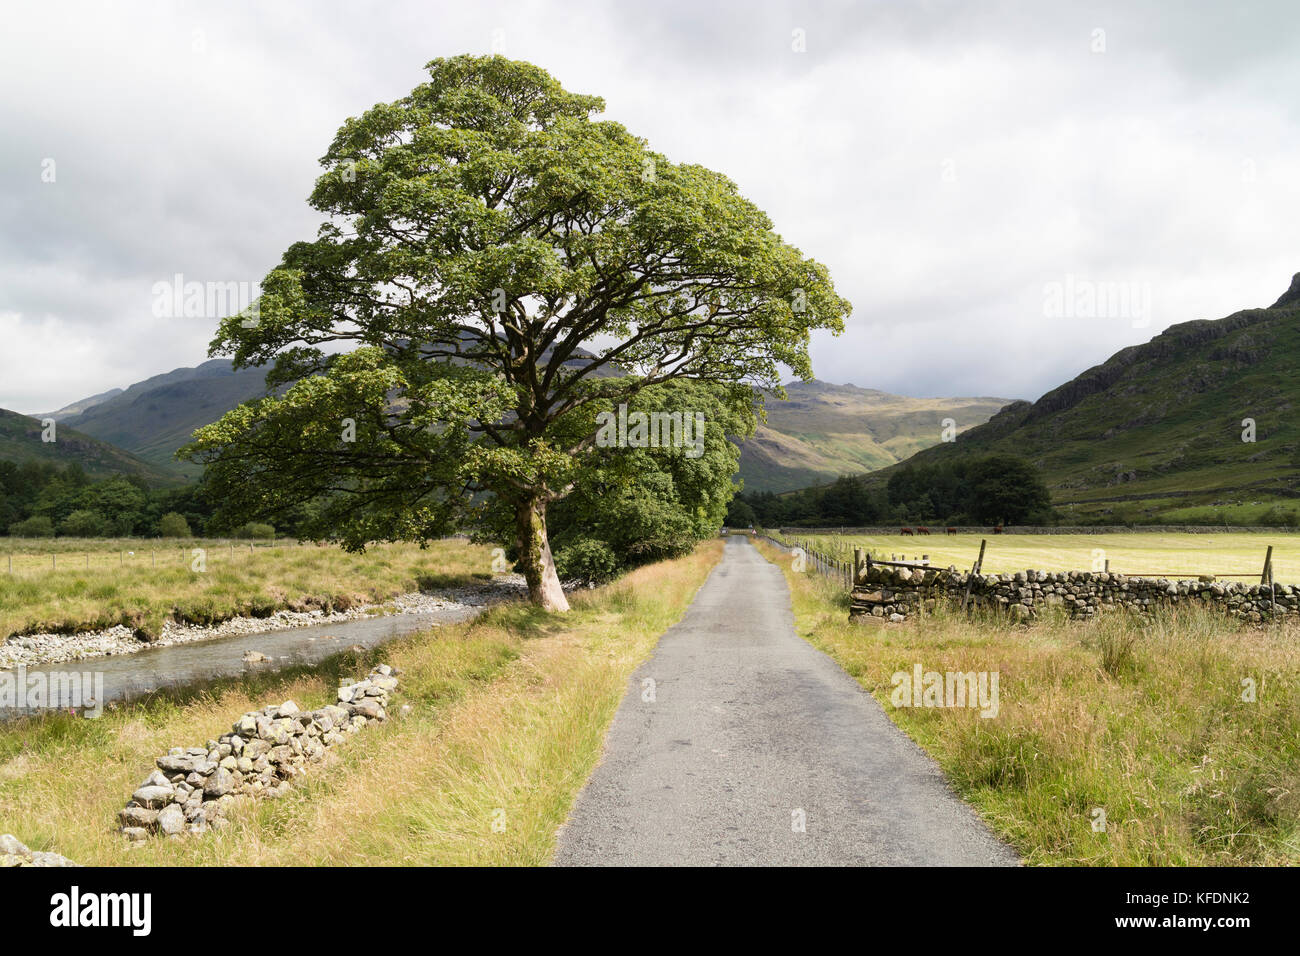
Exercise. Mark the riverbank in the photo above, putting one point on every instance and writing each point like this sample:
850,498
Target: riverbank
40,649
212,586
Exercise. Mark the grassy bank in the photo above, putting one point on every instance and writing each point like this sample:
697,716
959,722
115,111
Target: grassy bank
1143,722
1174,554
241,581
508,716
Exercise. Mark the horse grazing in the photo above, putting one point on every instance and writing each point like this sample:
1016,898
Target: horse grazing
952,530
920,530
907,531
998,529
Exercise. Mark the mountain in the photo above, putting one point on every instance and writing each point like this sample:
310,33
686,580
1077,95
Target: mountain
1158,429
823,431
76,408
20,440
155,417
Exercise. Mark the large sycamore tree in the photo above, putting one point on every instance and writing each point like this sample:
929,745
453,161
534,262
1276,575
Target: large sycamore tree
495,267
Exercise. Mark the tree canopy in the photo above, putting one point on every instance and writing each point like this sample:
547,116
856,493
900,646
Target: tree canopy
978,490
496,267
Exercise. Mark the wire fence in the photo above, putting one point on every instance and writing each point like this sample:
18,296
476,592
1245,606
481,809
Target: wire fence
835,563
809,558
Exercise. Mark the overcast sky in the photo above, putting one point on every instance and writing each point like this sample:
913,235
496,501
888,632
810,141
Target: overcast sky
963,168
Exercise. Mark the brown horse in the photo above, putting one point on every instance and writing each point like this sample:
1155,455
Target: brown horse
907,531
998,529
952,530
921,530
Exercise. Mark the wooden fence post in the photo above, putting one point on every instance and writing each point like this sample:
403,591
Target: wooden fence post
975,569
857,565
1268,566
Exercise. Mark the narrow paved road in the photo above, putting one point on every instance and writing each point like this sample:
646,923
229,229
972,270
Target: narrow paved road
751,730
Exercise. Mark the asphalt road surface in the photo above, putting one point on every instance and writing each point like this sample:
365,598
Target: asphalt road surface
757,749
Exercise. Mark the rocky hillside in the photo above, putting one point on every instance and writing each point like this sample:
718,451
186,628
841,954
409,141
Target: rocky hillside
155,417
1198,423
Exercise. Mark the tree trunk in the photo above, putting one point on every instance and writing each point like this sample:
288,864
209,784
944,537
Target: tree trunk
535,557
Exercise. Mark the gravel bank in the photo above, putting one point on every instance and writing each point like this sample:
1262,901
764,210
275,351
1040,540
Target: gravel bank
34,649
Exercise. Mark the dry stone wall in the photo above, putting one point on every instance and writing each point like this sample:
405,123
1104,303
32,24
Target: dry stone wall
892,594
192,788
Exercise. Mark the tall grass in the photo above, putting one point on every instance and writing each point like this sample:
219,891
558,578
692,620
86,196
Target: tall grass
256,583
507,719
1144,722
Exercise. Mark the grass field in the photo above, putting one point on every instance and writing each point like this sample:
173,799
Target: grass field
1144,722
1166,555
259,581
508,717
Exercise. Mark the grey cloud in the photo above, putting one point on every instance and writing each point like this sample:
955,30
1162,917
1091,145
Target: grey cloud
1125,166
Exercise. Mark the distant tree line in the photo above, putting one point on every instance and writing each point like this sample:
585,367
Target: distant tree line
42,500
998,489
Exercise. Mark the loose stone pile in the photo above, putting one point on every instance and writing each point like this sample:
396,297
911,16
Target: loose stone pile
14,853
894,593
192,789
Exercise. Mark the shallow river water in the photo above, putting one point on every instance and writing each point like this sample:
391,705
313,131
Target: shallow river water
132,675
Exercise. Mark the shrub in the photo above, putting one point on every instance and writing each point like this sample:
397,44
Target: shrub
173,525
1277,516
85,523
34,527
255,529
589,561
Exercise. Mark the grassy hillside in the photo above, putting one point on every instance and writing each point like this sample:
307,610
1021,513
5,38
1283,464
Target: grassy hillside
155,417
20,440
823,431
1156,430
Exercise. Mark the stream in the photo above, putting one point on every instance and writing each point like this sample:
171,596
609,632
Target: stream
126,676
